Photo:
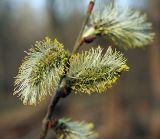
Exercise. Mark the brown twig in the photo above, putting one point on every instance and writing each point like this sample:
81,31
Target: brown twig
81,40
47,120
63,90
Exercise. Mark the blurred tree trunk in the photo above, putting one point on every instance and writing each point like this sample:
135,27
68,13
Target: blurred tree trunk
155,68
4,21
1,71
155,49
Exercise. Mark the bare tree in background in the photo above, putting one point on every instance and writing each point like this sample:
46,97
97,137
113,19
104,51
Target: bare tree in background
155,69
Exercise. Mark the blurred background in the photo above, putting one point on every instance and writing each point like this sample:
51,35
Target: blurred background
130,110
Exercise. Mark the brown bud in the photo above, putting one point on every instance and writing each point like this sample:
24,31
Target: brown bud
89,39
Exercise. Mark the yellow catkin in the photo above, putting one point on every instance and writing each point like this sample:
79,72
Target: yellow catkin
40,71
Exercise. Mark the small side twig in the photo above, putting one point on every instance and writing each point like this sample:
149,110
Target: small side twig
62,90
80,40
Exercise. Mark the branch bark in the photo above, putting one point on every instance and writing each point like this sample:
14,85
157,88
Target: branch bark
80,40
63,90
48,118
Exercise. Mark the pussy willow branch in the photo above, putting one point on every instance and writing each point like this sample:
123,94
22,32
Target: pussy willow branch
80,40
47,122
63,90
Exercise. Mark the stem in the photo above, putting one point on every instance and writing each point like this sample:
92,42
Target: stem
47,119
63,90
80,40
